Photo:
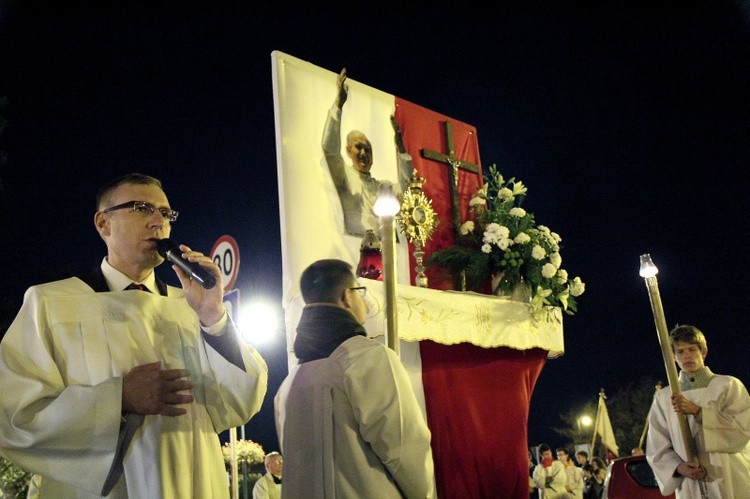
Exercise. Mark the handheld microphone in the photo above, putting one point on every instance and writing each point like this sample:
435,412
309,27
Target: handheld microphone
170,250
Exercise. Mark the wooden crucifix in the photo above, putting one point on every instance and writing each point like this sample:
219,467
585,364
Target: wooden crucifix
454,164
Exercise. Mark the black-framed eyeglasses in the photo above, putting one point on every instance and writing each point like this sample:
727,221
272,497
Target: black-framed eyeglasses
146,209
362,290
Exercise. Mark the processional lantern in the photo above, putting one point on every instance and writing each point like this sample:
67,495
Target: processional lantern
648,271
370,264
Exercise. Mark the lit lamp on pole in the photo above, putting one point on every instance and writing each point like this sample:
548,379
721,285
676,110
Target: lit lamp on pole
648,271
386,207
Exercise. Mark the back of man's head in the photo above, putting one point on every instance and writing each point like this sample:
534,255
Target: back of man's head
325,281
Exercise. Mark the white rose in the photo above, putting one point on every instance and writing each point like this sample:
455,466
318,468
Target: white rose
556,259
577,287
549,270
467,227
522,238
537,253
517,212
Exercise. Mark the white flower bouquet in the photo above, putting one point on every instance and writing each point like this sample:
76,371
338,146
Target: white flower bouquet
502,242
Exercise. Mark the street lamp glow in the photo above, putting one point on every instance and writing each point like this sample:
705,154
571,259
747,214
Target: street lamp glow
586,421
258,323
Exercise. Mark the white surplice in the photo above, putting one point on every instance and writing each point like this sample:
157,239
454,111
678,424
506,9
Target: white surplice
722,440
350,426
61,367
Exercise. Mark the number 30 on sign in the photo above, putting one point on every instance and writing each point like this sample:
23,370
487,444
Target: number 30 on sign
226,254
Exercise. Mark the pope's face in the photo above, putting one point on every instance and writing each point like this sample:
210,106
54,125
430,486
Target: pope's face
689,356
360,152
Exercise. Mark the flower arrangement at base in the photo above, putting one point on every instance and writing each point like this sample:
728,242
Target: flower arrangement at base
14,481
246,451
504,242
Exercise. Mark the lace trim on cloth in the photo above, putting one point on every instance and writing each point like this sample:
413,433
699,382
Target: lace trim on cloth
452,317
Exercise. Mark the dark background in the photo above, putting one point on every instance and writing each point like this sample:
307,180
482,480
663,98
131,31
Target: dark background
629,125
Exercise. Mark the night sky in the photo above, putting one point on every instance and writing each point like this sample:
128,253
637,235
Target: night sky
629,125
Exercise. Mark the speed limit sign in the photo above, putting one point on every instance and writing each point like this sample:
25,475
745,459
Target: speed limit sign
226,254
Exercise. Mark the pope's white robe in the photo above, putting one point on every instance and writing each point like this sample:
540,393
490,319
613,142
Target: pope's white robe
350,426
61,367
722,440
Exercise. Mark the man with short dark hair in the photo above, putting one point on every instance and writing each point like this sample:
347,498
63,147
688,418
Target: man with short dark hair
549,475
717,408
115,384
347,418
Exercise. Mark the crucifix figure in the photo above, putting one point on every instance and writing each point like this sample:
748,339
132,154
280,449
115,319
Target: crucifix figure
454,164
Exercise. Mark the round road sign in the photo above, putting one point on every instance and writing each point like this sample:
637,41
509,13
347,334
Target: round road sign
226,254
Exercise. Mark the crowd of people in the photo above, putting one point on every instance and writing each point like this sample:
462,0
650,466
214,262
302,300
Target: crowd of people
570,476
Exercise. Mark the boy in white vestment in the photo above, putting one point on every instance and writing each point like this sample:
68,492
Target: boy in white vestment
117,385
718,411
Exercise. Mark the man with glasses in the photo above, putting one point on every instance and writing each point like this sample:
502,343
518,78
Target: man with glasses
347,418
115,384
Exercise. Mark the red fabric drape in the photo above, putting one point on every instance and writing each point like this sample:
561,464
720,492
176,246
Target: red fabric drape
477,399
477,409
425,129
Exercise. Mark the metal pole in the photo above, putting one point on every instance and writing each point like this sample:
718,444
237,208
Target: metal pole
388,248
233,466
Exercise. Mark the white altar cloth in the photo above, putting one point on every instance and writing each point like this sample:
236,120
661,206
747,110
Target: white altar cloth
451,317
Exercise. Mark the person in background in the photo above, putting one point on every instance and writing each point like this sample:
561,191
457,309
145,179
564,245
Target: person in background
717,408
582,457
592,485
600,468
357,188
269,485
116,384
574,484
549,475
347,418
